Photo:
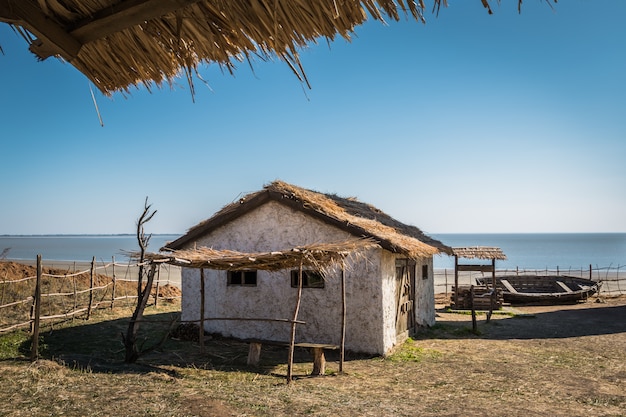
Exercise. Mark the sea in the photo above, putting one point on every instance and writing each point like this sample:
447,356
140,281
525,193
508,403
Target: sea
523,250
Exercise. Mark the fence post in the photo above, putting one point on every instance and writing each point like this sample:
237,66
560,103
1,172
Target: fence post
75,292
91,281
202,296
34,350
4,280
156,292
474,326
113,290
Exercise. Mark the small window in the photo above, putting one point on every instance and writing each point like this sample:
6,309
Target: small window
424,271
242,278
310,279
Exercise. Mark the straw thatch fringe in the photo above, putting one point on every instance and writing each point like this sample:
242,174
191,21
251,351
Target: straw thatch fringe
119,45
320,256
479,252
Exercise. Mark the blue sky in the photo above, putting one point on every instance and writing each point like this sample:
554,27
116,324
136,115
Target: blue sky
469,123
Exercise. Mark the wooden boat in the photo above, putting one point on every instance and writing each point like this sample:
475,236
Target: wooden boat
543,288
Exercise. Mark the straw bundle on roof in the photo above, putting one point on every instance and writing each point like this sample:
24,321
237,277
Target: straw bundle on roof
479,252
320,256
372,221
119,44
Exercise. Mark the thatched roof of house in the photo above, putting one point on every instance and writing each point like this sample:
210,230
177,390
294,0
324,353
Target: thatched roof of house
479,252
118,44
359,219
319,256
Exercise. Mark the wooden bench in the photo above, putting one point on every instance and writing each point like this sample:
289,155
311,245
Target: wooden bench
319,360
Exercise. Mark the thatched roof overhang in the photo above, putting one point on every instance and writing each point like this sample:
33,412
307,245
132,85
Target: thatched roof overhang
119,44
319,256
479,252
359,219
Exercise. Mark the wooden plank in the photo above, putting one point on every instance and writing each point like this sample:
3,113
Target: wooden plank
254,354
286,343
53,38
562,285
123,15
481,268
508,286
317,346
319,361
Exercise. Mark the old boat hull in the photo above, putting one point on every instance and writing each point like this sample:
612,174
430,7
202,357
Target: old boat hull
543,288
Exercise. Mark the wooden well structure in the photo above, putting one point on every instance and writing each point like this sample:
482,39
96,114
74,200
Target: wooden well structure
483,253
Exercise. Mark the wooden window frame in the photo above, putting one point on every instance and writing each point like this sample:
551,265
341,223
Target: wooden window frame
245,278
308,275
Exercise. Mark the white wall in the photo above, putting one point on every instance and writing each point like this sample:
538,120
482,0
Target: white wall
425,294
274,226
389,295
424,298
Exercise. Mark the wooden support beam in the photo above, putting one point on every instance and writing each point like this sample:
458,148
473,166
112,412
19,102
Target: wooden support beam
124,15
53,38
506,284
254,354
562,285
319,361
481,268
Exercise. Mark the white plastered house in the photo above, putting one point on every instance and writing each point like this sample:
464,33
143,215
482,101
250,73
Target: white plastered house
389,289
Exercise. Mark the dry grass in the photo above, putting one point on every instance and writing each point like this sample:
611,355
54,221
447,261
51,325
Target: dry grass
560,361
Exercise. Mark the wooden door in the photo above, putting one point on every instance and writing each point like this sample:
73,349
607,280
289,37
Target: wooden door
405,296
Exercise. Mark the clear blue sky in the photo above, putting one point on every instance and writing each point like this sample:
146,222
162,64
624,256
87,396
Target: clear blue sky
470,123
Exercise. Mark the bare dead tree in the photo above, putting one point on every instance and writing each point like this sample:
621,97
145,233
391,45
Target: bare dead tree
4,253
143,291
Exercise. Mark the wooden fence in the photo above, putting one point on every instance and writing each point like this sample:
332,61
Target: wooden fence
613,278
52,298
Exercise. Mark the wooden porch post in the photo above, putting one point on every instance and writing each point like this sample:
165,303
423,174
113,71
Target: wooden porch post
34,349
202,298
343,317
456,281
292,342
92,276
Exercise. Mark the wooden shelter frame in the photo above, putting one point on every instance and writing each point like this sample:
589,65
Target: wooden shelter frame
322,257
476,252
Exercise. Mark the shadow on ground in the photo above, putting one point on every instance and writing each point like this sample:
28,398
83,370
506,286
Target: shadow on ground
565,321
98,347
